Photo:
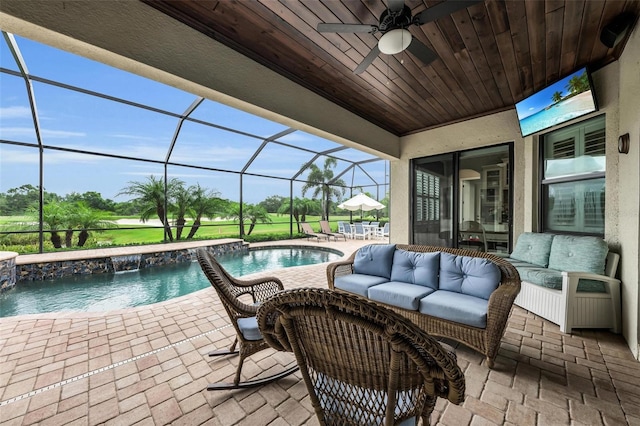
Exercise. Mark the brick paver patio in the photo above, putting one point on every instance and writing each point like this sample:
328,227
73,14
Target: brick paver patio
149,366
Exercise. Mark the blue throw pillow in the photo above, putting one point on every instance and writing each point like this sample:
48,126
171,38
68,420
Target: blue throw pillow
473,276
374,259
416,268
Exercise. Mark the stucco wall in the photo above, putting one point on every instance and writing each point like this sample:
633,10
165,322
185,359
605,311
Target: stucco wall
618,92
629,188
484,131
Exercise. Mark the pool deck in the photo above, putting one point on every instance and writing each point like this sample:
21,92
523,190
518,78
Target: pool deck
149,366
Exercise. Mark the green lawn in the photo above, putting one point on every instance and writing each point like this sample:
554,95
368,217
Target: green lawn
144,234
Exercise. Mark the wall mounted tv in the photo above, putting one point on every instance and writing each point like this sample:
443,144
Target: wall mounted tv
557,103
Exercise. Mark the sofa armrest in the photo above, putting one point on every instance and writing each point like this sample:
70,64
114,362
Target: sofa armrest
571,276
570,288
337,269
500,303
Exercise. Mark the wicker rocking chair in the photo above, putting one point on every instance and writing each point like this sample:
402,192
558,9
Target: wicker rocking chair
242,316
362,364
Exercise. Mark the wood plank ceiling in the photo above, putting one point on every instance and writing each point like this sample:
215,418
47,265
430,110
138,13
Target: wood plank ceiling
490,55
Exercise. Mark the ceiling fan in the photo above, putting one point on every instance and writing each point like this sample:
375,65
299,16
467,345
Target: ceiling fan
393,25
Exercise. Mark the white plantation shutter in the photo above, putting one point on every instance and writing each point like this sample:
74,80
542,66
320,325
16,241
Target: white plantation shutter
573,185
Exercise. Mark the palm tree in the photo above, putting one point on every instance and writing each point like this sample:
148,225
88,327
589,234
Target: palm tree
233,212
87,218
203,203
301,207
181,206
578,84
54,215
556,97
250,213
151,196
322,183
255,214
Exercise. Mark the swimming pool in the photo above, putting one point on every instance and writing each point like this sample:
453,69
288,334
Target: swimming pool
104,292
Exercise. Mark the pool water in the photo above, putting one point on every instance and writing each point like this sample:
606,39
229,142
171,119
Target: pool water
104,292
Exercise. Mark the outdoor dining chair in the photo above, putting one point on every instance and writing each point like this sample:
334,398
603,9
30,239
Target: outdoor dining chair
362,364
242,313
359,231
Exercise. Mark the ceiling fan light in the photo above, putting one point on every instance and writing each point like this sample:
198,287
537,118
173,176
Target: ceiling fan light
394,41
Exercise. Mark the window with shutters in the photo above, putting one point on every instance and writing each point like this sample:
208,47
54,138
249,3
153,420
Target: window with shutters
427,196
573,181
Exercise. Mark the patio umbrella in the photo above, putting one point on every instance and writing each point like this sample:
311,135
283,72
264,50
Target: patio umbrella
361,202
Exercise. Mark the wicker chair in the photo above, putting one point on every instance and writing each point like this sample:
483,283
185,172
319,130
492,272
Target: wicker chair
231,291
362,363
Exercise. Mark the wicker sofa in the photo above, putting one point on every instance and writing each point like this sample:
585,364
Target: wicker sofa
458,294
568,280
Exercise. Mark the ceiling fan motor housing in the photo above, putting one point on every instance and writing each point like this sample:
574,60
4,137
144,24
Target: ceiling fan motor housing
390,20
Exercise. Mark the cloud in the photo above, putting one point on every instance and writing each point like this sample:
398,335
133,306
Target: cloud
30,156
22,132
15,112
59,134
134,137
17,132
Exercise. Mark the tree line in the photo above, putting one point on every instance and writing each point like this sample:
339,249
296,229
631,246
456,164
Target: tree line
75,213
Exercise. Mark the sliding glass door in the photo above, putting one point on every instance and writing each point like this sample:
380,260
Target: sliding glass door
463,199
433,179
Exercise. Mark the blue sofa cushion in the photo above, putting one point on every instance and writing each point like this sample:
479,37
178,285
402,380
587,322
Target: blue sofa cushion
533,248
457,307
249,328
400,294
581,254
358,283
416,268
374,259
473,276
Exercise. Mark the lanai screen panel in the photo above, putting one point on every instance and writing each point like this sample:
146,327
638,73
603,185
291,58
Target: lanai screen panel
17,121
308,141
279,161
63,67
232,118
211,147
255,189
78,121
220,184
7,58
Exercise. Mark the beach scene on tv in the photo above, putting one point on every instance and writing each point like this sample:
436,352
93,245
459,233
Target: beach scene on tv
562,101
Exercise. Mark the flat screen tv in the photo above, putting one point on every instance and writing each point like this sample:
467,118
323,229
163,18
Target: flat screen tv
557,103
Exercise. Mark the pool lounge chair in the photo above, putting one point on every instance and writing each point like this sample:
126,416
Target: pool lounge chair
326,229
310,233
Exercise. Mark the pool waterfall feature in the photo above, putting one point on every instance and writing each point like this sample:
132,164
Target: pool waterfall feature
37,268
128,263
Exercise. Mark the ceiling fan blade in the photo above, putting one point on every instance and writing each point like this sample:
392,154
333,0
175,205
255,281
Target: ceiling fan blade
445,8
367,60
420,51
347,28
395,5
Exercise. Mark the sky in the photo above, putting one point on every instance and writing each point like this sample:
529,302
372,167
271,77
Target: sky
75,120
